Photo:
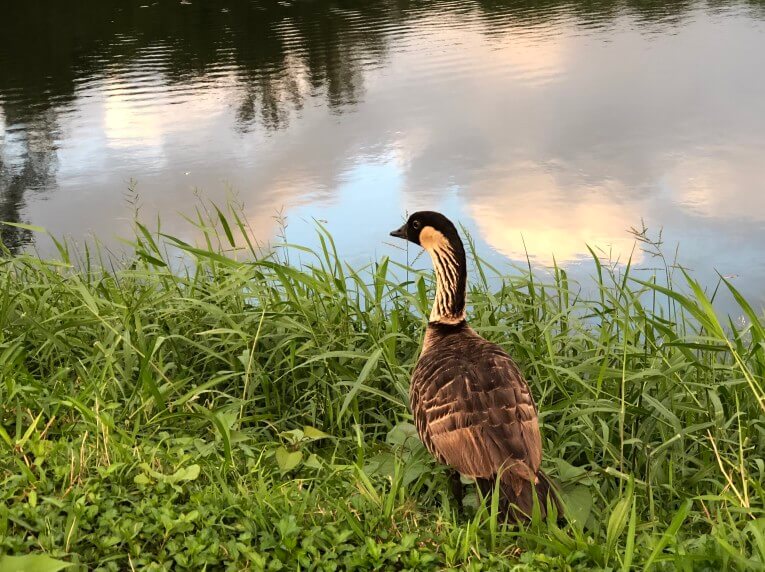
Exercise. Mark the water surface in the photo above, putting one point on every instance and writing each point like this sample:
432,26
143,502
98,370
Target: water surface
542,127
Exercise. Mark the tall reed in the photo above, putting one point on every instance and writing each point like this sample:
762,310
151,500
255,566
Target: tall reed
271,399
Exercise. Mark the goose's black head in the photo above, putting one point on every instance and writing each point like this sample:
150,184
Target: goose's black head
436,234
424,226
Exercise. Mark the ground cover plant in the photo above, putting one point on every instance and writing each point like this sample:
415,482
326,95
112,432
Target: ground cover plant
209,406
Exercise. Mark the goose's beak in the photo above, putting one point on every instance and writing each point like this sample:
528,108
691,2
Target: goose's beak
399,232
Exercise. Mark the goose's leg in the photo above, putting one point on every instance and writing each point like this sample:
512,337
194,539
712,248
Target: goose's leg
458,489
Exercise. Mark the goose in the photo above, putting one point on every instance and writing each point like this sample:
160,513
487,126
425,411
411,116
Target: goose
472,407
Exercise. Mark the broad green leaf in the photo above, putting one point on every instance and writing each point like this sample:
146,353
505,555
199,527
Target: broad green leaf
567,471
312,462
189,473
293,435
314,434
31,563
403,434
578,501
288,460
414,470
382,464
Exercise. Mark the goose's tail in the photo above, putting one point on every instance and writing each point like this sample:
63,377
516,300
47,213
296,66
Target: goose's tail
517,496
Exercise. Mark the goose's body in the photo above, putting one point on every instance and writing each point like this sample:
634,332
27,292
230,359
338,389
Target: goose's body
472,407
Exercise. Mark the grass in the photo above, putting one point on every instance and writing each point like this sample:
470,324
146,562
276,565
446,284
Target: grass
210,406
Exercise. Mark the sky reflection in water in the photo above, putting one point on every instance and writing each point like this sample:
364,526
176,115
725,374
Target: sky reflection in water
541,129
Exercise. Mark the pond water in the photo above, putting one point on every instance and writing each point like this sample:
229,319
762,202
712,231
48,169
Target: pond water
541,126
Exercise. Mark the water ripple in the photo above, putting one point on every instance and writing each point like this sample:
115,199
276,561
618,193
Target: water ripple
566,121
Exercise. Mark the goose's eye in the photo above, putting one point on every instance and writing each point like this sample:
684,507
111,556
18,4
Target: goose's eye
416,225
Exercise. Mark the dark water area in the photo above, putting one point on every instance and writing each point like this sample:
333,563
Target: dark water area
541,126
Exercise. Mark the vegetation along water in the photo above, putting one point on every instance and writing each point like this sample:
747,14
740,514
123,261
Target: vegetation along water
215,406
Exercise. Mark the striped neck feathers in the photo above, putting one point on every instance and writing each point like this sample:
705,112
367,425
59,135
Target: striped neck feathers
450,266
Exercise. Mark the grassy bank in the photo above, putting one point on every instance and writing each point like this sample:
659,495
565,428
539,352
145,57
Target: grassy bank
157,414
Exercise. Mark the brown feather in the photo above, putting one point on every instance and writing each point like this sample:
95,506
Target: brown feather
474,411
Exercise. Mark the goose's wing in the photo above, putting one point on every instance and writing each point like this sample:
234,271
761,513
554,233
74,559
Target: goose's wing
474,411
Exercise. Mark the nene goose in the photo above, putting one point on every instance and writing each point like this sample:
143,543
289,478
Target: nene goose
472,407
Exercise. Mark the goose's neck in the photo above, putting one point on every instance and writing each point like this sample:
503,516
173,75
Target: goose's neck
451,278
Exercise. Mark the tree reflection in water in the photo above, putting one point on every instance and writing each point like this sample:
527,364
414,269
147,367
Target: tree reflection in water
280,54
